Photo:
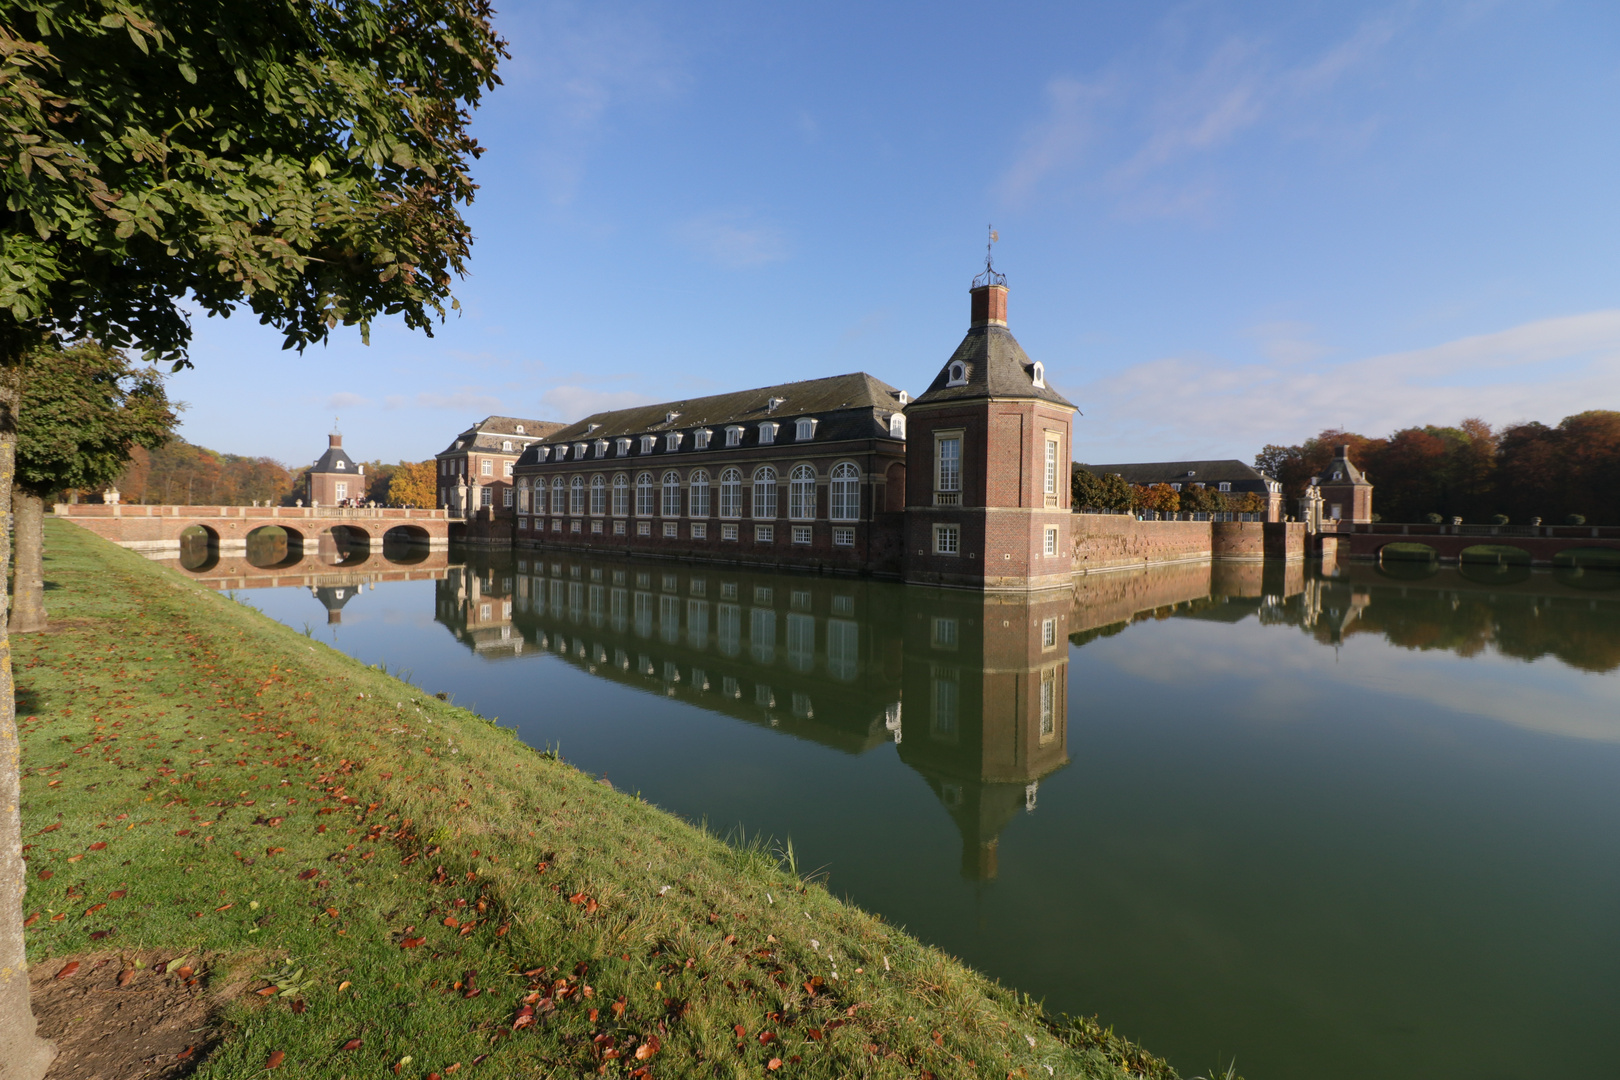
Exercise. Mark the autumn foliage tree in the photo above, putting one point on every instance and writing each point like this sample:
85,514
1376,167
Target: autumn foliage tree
1099,491
305,161
414,484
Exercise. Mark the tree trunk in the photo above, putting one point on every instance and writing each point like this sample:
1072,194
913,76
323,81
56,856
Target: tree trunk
28,584
23,1054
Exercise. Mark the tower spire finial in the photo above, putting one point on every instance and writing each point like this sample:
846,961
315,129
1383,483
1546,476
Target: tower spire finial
989,275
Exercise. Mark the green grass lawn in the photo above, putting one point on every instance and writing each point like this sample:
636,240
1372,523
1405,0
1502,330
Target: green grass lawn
203,781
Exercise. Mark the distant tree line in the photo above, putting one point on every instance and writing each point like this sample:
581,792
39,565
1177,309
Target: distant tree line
180,472
1472,471
1109,492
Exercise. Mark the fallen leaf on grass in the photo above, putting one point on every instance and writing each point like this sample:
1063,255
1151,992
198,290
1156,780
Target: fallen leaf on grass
46,875
647,1049
774,1064
125,975
32,919
117,894
353,1044
182,1055
266,991
68,969
276,1058
344,985
307,874
411,942
450,921
98,845
172,965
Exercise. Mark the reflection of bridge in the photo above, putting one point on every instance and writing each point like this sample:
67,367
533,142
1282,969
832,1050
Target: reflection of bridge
356,569
157,530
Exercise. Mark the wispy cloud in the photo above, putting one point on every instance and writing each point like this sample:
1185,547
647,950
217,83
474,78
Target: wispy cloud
345,400
1543,370
575,402
581,63
466,399
732,239
1137,130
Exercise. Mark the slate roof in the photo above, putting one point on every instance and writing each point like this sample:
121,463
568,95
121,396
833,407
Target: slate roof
1343,464
1228,470
328,462
997,366
853,406
490,432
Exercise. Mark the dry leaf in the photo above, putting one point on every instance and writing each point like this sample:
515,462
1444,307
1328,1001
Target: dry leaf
276,1058
68,969
353,1044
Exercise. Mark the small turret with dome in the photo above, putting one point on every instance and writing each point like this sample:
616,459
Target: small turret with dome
335,479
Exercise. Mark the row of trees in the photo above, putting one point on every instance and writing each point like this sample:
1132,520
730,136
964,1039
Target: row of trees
180,472
1474,471
1109,491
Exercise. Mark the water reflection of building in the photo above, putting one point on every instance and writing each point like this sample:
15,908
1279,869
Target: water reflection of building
972,688
333,598
986,679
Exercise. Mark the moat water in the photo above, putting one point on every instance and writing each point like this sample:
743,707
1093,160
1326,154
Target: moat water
1333,825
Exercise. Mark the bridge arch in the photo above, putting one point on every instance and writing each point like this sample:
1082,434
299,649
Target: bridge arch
199,548
274,547
1588,558
406,544
1495,554
1407,551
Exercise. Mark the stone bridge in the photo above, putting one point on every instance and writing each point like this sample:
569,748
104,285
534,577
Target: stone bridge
314,572
155,531
1538,545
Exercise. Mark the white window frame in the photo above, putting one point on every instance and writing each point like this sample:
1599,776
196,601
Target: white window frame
506,468
767,432
803,534
486,467
579,450
670,504
804,428
558,495
700,530
697,495
576,495
844,492
646,495
598,495
764,494
622,446
672,530
947,539
731,494
728,530
844,537
948,470
644,528
647,443
1049,542
956,374
601,448
672,439
700,438
897,425
1224,485
506,497
1052,446
764,534
802,493
621,495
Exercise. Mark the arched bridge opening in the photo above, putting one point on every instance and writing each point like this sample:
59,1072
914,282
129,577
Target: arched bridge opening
406,544
199,548
274,547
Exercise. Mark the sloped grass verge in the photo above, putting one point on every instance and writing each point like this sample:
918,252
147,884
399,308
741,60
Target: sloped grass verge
379,883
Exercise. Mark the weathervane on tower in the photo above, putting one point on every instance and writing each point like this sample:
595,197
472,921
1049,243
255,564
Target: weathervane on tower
989,276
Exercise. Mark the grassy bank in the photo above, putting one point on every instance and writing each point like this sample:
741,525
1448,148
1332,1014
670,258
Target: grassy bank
206,786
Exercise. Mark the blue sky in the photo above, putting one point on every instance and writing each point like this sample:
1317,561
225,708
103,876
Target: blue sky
1223,224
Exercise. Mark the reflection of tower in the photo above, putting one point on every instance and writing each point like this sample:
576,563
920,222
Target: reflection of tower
986,678
332,598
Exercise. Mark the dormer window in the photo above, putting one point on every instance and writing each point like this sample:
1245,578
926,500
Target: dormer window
579,450
588,428
672,439
669,417
700,439
734,436
767,433
1337,475
1226,485
1175,487
520,430
773,403
340,464
903,397
562,453
647,443
897,425
601,447
506,446
622,447
1192,472
542,453
804,429
956,374
1037,374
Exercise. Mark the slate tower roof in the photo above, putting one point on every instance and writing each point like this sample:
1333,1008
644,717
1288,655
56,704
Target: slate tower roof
334,460
989,363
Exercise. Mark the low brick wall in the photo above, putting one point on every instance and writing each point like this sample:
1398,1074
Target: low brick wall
1105,599
1244,540
1117,541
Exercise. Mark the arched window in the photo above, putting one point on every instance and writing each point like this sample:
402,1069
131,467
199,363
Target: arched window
507,446
731,494
523,496
598,494
644,495
845,492
672,494
802,493
697,495
957,376
621,495
576,501
765,492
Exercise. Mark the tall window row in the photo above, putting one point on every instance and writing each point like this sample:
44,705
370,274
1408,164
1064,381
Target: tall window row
661,496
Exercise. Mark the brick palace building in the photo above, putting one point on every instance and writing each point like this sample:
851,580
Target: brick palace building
966,485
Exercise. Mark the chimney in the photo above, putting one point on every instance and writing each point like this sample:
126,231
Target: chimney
334,441
989,307
1342,451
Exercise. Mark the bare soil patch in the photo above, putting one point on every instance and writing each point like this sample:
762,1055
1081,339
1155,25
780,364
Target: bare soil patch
146,1025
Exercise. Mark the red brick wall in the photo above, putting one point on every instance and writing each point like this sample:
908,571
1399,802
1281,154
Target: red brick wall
1110,541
